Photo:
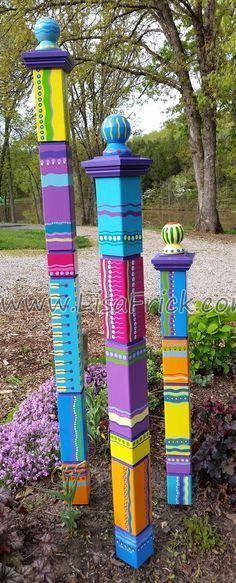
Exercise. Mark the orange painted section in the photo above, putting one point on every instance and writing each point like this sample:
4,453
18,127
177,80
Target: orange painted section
131,496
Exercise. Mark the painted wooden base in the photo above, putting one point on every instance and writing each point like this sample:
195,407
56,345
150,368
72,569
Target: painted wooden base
179,490
80,472
134,550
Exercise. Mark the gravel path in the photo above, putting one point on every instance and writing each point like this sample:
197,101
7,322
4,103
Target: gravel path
212,273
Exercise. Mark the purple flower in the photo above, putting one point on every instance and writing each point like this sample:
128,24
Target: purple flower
96,375
29,444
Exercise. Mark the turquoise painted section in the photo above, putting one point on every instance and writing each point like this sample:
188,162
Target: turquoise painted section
56,180
72,426
179,489
174,314
134,550
119,215
67,334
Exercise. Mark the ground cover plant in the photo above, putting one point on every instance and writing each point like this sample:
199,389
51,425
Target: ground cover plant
30,239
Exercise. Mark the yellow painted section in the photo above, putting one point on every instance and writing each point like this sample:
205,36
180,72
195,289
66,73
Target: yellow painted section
177,420
130,452
51,103
59,109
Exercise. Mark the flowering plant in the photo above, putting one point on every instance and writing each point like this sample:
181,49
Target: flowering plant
29,444
96,375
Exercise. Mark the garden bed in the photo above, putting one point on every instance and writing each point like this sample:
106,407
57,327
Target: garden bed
182,553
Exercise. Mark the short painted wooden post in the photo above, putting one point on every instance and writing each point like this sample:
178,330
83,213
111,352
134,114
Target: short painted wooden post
173,264
50,68
118,187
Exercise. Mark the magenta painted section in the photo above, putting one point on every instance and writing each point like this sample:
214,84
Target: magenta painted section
62,264
123,299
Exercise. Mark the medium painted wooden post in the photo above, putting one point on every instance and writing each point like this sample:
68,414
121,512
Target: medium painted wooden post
50,68
173,264
118,187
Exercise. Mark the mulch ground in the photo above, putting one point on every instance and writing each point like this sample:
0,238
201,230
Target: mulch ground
27,360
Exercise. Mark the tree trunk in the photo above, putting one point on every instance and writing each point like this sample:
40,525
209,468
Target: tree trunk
78,176
4,149
196,145
208,216
11,189
34,198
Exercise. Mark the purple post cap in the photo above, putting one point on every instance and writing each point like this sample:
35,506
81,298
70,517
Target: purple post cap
164,262
174,257
47,54
117,159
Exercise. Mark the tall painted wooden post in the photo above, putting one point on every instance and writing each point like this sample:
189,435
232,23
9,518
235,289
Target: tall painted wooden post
173,264
118,187
50,68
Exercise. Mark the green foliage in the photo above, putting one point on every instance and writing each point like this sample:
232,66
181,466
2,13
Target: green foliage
30,239
213,432
211,338
154,401
70,514
10,415
201,380
96,407
154,307
201,536
154,367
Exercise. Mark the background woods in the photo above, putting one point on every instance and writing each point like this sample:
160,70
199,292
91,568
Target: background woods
127,51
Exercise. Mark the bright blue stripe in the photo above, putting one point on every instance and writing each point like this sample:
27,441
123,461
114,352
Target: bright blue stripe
175,353
58,227
56,180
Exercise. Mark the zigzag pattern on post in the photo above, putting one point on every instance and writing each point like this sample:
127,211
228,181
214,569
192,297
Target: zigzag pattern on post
118,189
173,264
50,66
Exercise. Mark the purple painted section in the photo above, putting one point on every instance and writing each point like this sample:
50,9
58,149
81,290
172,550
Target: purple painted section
107,166
165,262
178,468
130,432
55,158
48,59
57,204
127,386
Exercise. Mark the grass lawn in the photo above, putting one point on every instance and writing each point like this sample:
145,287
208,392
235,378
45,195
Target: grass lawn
30,239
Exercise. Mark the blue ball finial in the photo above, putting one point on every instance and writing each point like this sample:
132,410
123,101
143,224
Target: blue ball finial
47,32
116,131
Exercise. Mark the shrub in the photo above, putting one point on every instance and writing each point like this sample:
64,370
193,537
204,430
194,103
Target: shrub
213,432
211,338
29,444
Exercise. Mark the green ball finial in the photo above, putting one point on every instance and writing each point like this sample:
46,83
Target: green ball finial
173,234
47,32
